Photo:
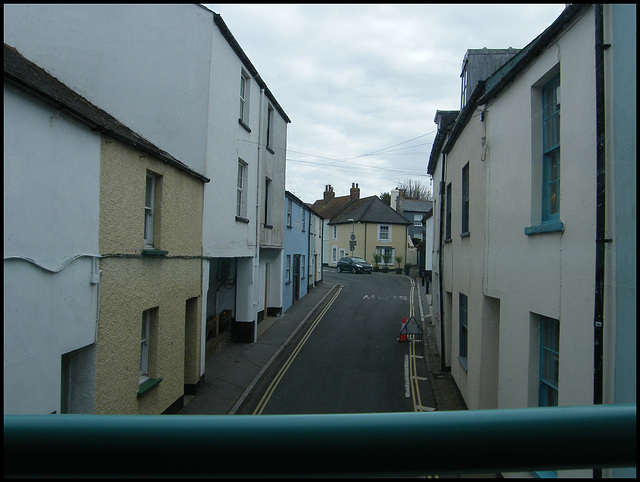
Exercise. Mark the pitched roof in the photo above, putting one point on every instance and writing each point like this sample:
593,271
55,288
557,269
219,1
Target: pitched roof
369,210
328,210
34,79
415,205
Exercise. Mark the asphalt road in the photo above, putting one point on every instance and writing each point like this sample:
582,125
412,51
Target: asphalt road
348,359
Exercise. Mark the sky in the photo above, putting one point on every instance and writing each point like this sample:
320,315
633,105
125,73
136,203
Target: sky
362,83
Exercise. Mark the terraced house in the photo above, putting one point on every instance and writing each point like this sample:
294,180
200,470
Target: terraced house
534,252
186,87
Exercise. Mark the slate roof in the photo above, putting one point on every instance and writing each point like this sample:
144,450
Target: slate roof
369,210
327,210
413,205
34,79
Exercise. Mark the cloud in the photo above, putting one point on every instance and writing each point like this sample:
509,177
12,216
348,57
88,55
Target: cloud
356,79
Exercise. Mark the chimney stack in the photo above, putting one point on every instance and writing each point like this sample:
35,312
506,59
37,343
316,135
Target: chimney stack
355,191
328,193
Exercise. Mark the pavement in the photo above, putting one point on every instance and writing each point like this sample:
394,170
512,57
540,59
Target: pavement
234,369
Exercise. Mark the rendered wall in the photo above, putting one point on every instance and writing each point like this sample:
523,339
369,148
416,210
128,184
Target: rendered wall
51,206
131,284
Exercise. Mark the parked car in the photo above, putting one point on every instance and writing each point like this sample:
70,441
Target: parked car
355,265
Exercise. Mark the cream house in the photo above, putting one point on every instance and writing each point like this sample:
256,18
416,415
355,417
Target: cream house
365,227
527,299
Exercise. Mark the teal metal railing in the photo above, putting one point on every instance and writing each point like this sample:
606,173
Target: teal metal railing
385,444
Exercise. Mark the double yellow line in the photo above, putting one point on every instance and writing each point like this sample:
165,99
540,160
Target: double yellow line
413,370
274,383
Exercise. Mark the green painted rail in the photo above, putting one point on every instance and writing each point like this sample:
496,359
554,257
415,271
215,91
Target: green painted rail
388,444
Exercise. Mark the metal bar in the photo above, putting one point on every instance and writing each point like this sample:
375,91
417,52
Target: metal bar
387,444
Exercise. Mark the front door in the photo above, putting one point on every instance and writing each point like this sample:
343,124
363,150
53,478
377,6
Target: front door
296,277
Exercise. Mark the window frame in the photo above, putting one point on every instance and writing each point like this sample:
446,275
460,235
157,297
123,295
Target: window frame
149,209
287,269
381,239
267,202
549,352
289,213
463,329
245,91
465,201
241,194
447,213
551,150
145,339
270,119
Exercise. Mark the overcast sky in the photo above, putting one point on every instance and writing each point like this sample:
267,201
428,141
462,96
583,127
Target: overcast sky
362,83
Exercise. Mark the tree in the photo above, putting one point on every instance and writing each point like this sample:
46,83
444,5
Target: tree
385,197
415,190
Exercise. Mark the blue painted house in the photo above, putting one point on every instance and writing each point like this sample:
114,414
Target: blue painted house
296,250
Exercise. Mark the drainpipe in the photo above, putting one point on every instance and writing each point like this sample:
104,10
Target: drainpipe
256,261
443,365
600,207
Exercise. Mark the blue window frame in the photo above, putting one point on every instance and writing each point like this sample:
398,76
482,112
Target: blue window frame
463,311
549,362
551,150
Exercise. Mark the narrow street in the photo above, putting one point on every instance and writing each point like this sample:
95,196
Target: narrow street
348,358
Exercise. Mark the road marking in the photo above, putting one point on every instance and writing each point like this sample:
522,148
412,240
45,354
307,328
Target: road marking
407,388
274,383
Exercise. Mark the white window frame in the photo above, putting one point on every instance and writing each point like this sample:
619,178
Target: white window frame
381,250
144,346
342,253
334,232
380,229
289,213
149,209
334,254
244,97
417,219
287,269
241,197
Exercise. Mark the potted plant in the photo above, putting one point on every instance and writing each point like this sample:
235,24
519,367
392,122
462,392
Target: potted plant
387,258
407,268
377,258
399,260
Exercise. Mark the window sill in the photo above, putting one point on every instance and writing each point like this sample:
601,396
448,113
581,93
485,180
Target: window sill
268,226
552,227
463,362
448,240
147,385
154,252
241,122
465,234
242,220
270,150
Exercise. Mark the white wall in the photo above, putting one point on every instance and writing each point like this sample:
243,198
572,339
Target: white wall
51,213
147,65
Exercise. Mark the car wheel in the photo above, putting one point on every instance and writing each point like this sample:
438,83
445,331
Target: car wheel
339,269
354,270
